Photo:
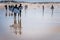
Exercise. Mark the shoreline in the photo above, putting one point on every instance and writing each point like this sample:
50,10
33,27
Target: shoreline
29,4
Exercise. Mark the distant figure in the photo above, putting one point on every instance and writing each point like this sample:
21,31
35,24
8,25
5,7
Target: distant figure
11,9
15,10
26,6
6,9
43,9
52,7
20,9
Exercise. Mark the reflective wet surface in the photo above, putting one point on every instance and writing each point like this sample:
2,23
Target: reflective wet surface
32,25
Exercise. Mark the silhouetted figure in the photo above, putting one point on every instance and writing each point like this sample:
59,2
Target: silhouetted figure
52,7
43,9
15,9
20,9
11,9
26,6
6,9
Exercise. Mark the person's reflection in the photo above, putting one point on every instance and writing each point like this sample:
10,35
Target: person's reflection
17,26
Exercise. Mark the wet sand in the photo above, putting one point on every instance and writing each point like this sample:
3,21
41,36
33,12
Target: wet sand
32,25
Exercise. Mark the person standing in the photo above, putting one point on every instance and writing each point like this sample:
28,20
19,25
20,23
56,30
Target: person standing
43,9
20,9
15,10
6,9
52,8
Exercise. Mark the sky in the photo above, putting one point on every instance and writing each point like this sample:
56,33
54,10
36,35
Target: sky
39,0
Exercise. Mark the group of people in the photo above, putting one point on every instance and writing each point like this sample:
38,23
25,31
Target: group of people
15,9
18,9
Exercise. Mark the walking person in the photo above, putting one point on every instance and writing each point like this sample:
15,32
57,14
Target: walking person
52,7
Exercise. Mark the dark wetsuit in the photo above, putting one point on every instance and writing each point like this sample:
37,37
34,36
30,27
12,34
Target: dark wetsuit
6,7
20,9
14,8
52,7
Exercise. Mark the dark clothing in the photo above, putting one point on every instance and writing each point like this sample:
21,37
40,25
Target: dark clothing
20,9
6,7
52,7
14,14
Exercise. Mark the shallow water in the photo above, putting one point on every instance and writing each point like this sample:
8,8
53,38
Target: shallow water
32,25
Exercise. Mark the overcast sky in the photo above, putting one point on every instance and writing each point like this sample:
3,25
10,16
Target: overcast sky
40,0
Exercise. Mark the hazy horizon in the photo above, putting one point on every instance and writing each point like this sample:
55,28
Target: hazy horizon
38,0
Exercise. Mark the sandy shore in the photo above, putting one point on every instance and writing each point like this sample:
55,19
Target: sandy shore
30,5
